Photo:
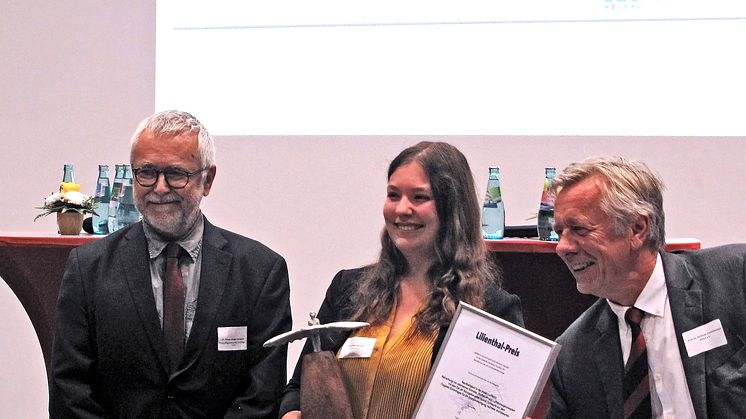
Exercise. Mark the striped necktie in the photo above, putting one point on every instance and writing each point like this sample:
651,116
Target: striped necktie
174,293
636,383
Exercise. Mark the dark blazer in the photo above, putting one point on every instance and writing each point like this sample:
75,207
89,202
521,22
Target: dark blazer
702,286
337,306
109,358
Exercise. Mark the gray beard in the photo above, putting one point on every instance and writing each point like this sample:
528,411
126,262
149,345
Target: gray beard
169,235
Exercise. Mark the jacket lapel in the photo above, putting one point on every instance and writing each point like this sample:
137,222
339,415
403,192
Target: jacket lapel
686,306
608,358
136,266
213,278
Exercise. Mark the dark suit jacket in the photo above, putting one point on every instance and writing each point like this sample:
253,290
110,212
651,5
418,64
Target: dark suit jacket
109,357
337,306
702,286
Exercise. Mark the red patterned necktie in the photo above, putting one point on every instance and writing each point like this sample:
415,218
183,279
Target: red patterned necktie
174,293
636,383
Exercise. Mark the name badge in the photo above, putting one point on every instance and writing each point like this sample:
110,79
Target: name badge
357,347
703,338
232,338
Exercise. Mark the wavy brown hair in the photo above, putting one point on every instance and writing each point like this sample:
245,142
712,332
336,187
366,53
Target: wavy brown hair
461,269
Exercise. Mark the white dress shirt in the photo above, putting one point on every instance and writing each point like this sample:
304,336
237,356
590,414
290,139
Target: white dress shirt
669,393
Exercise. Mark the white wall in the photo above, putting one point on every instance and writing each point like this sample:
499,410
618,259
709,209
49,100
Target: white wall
76,80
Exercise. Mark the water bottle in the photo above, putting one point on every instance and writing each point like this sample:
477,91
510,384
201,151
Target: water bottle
102,198
116,194
67,174
545,220
127,213
493,209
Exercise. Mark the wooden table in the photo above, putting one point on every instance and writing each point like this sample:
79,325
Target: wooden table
33,264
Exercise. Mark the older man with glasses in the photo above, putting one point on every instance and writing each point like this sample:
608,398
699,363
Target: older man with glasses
166,318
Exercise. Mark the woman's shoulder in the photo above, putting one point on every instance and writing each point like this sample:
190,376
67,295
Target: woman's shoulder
346,276
503,304
345,282
340,293
350,273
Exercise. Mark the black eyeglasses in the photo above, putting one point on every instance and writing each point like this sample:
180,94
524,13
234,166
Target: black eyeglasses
175,178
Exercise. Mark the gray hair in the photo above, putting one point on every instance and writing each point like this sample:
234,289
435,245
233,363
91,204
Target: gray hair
173,123
632,189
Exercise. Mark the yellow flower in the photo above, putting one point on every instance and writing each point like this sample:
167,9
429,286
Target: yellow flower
69,186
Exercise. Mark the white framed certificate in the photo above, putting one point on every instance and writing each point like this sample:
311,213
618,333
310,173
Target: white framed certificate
486,368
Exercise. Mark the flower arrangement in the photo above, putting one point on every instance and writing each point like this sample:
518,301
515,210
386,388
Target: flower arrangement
69,198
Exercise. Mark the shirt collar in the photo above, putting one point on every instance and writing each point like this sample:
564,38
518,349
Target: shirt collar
652,299
191,243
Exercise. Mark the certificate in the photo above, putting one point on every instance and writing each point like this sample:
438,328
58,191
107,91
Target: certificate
486,368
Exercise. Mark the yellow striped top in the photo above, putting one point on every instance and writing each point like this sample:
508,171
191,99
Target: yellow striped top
388,384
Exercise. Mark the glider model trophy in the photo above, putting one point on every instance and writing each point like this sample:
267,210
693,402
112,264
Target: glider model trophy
322,391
